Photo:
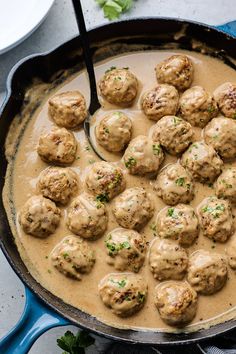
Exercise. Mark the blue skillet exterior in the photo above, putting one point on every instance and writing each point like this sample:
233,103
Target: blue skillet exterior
42,309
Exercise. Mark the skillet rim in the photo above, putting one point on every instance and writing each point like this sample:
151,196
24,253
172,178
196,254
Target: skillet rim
131,336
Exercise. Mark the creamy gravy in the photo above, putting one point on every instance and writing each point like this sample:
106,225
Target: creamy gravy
24,169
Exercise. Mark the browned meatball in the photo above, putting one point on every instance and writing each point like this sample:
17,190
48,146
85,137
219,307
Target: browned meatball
68,109
143,156
197,106
174,185
176,70
119,86
173,133
176,302
114,131
160,101
231,252
215,218
73,257
126,249
57,146
178,223
220,133
225,96
39,217
167,260
225,185
207,272
202,162
124,293
133,208
105,180
58,184
87,217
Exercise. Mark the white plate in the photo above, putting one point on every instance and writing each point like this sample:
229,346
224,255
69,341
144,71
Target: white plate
19,18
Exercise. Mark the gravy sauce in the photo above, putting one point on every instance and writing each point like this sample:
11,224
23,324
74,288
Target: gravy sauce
22,176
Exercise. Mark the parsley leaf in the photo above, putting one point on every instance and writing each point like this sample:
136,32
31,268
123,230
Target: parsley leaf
112,9
102,198
131,162
75,344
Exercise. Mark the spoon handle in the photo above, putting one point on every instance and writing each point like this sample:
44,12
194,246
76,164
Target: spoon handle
94,102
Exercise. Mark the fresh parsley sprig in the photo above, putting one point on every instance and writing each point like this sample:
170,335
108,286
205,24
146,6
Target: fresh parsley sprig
75,344
112,9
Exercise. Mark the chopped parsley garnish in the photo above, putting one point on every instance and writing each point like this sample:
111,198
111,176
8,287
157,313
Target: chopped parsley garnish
214,211
153,227
177,120
111,68
102,198
141,297
114,248
121,283
131,162
170,211
180,181
156,149
106,130
72,344
65,255
211,109
116,179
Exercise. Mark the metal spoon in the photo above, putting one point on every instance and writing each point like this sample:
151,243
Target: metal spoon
94,101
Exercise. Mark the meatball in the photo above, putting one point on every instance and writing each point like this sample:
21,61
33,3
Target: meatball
176,302
73,257
225,96
105,180
58,184
68,109
225,185
176,70
174,185
133,208
207,272
143,156
167,260
231,252
124,293
57,146
39,217
87,217
197,106
161,101
178,223
126,249
173,133
220,133
202,161
215,218
119,86
114,131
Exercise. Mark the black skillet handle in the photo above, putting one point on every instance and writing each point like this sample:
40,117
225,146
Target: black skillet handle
94,102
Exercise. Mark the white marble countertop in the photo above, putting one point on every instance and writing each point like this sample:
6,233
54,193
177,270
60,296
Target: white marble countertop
58,27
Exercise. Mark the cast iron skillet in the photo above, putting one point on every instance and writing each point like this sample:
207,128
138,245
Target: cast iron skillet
46,310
